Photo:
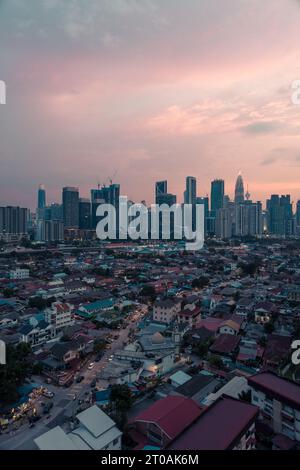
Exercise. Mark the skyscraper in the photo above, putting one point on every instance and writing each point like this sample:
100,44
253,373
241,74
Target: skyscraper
13,220
280,215
41,197
190,193
217,195
239,195
84,214
70,199
161,187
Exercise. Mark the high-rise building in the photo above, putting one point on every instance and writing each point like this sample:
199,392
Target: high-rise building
161,187
298,214
224,223
217,195
13,221
248,219
239,194
280,215
205,201
70,199
84,214
41,197
190,193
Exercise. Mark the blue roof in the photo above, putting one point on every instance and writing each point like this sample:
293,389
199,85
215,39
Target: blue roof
99,304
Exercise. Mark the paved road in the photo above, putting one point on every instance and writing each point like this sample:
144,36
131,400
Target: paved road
64,405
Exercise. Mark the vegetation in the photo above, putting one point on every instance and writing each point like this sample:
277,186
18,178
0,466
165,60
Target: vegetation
14,372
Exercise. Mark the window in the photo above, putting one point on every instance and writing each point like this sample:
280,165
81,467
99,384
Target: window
255,398
115,441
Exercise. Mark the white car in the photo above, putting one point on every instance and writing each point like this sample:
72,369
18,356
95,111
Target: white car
91,365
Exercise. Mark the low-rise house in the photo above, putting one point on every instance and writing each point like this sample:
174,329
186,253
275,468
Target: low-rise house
95,431
166,419
37,334
277,349
225,345
189,315
198,387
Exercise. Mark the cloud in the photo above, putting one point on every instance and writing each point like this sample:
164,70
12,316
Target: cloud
261,127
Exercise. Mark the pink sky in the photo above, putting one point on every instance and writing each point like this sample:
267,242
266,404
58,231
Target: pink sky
150,90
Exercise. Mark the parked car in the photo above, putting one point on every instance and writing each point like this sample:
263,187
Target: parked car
91,366
79,379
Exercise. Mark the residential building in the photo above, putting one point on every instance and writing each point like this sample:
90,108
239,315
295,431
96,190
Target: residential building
228,424
60,315
279,403
165,311
96,431
19,273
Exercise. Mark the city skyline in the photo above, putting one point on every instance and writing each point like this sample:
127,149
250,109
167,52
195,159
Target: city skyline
168,93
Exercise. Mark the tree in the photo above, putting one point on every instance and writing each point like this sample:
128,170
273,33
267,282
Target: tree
14,372
8,292
215,361
200,282
269,327
121,397
37,302
121,400
99,345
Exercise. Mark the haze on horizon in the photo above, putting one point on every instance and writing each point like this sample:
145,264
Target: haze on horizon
151,89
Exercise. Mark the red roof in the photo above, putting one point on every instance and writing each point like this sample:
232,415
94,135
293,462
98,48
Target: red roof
210,323
225,344
172,414
278,387
220,426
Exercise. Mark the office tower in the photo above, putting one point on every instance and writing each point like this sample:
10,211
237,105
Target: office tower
297,219
217,195
13,221
280,215
248,219
55,212
70,199
84,214
205,202
239,194
190,193
161,187
168,199
298,214
224,223
49,231
41,197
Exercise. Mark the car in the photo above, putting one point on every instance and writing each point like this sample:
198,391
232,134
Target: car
91,365
79,379
94,383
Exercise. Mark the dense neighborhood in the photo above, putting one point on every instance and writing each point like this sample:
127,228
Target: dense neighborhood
148,346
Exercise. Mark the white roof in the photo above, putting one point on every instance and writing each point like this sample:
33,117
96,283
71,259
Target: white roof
94,443
233,388
95,421
180,377
55,439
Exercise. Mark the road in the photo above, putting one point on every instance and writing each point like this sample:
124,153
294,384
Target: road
64,405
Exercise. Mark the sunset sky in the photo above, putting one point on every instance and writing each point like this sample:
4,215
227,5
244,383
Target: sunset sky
150,89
